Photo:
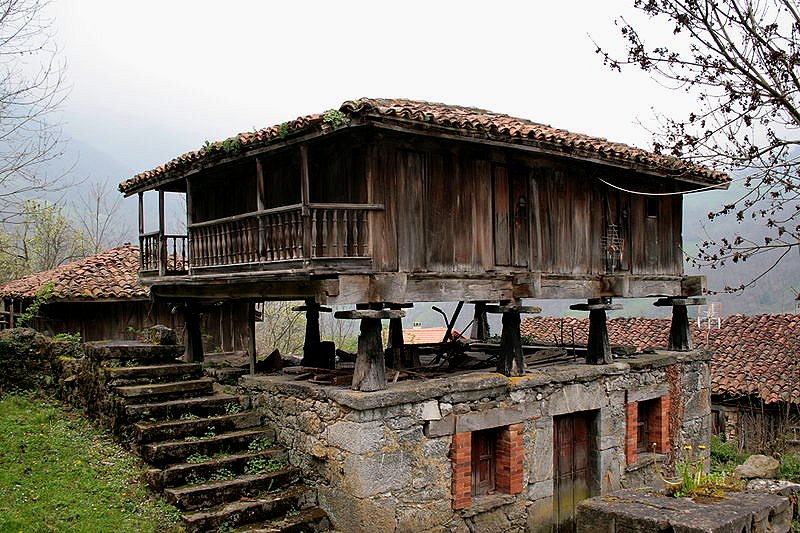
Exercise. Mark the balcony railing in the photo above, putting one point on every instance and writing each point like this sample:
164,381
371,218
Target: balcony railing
166,254
289,233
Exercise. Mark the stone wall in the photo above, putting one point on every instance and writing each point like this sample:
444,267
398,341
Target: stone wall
382,461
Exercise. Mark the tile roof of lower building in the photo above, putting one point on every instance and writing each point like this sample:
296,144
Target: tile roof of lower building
751,355
460,120
427,335
113,274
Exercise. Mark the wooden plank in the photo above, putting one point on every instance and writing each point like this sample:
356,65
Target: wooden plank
520,217
501,209
482,219
440,197
411,201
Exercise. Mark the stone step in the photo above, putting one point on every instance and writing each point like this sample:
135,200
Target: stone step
201,406
247,511
226,374
193,497
177,475
176,451
305,521
132,351
144,432
129,375
166,391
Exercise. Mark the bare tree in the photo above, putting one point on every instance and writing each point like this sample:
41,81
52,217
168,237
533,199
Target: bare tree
741,59
281,328
98,219
31,90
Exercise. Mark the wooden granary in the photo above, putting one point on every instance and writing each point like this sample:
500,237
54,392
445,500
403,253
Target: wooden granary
383,203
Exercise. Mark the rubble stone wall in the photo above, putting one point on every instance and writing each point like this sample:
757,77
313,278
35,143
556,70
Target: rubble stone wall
382,461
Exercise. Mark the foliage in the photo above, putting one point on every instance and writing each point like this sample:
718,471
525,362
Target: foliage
32,311
232,408
262,465
283,130
335,118
61,474
741,60
694,482
230,146
725,455
281,328
42,238
221,475
790,467
25,360
197,458
259,444
30,93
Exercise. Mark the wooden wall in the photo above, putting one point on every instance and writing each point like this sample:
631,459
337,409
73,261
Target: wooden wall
224,328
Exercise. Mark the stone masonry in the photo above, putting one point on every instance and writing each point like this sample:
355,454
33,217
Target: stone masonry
389,460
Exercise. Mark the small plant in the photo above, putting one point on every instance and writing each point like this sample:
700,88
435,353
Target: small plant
222,474
292,512
334,118
283,130
232,408
210,433
225,527
194,479
725,455
196,458
259,444
192,438
694,482
790,467
189,416
69,337
262,466
32,311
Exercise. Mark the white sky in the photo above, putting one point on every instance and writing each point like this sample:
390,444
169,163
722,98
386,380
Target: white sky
153,79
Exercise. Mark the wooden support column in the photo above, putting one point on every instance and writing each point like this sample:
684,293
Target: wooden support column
480,323
260,188
141,231
680,334
305,199
162,241
312,354
251,335
194,338
598,349
395,352
511,361
370,370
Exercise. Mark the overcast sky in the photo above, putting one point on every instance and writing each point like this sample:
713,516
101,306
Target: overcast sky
153,79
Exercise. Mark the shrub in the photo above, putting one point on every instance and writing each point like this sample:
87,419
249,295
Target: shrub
725,455
790,467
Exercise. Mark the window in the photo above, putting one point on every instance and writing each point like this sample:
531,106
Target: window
647,424
486,461
651,207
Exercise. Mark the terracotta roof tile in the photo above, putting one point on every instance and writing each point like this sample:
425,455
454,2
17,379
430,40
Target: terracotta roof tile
464,121
756,355
110,274
426,335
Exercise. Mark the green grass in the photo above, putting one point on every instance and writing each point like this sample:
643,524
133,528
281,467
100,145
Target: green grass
725,455
790,467
58,473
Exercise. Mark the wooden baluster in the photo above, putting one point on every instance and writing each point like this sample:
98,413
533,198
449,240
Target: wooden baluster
325,238
282,218
356,222
268,237
346,233
298,243
335,232
314,233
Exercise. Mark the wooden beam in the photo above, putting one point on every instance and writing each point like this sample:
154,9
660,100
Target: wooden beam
312,354
680,335
194,337
251,330
162,241
369,373
370,314
480,323
395,352
598,349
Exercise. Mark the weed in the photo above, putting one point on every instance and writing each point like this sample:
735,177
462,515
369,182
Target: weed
790,467
259,444
725,455
695,483
292,512
225,527
194,479
71,337
189,416
232,408
197,458
262,466
283,130
210,433
192,438
334,118
222,474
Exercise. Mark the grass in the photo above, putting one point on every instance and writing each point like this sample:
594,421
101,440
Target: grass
58,473
790,467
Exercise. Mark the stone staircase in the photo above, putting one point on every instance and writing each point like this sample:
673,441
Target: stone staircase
210,455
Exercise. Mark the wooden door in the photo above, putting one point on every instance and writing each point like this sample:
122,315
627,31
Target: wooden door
483,461
573,443
411,198
511,217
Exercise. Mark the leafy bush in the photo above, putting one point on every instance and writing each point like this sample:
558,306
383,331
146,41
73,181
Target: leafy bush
790,467
725,455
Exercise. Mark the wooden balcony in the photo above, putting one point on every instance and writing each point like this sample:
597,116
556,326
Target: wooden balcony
293,236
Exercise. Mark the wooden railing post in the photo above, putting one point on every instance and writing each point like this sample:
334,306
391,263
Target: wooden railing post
162,241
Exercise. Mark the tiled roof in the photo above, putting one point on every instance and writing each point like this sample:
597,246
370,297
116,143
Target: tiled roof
752,355
112,274
464,121
426,335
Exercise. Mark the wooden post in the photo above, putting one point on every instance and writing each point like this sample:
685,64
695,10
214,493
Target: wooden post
370,370
511,361
189,241
680,335
311,355
251,324
598,349
141,231
305,193
480,323
395,352
260,203
369,373
194,337
162,241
